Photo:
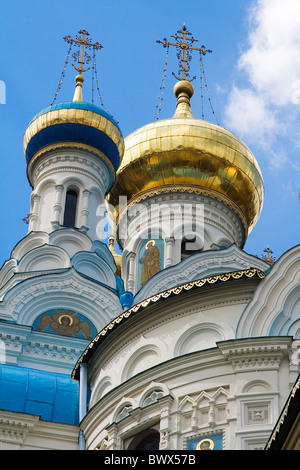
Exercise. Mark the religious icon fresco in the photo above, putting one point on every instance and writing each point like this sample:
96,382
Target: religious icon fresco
206,443
151,259
65,322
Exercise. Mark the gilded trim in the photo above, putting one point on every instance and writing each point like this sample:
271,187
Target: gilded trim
76,116
248,273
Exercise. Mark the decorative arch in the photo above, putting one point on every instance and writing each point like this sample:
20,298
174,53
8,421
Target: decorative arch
91,265
70,240
123,409
256,386
270,311
45,257
30,242
198,337
41,185
7,271
32,297
144,358
152,393
203,399
186,404
103,387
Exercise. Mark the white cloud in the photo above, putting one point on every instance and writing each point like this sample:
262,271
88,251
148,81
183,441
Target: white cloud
269,99
248,115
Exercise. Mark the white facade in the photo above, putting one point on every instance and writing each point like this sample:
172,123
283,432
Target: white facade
202,350
185,367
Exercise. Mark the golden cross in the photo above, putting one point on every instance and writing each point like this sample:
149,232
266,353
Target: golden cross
268,258
185,47
82,42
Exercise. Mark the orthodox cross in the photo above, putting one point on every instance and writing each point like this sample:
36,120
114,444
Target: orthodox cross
184,49
268,258
82,43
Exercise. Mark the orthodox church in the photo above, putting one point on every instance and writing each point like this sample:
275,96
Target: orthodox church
179,340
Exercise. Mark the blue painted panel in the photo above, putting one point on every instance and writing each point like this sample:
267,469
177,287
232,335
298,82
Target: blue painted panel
52,396
12,395
63,412
74,133
44,410
41,387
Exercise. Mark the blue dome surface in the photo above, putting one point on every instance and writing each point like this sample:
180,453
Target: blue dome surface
86,126
76,105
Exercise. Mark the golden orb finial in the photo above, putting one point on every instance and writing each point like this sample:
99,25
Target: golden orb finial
78,90
183,90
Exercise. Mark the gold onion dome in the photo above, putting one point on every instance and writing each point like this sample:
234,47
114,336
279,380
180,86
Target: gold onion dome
184,153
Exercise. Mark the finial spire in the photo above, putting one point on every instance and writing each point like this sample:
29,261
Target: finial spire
82,58
183,89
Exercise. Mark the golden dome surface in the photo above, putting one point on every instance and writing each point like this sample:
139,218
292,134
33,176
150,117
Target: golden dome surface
184,152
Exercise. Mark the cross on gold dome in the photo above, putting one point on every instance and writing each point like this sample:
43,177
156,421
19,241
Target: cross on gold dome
82,42
81,58
185,46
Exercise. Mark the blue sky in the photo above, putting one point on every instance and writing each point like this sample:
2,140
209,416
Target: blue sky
253,77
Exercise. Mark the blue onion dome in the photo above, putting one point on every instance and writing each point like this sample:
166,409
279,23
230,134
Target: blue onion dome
79,124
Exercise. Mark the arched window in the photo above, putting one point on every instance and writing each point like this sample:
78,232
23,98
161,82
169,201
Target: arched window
146,440
189,245
70,208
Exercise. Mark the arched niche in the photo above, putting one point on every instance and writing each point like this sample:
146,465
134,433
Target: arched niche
150,259
146,357
148,439
197,338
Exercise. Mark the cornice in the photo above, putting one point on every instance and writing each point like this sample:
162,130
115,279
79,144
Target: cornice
256,353
14,427
188,189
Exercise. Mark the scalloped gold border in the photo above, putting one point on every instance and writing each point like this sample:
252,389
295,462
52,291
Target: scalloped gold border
249,273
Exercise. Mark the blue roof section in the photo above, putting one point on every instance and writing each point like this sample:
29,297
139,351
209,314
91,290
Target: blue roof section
52,396
74,133
77,105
